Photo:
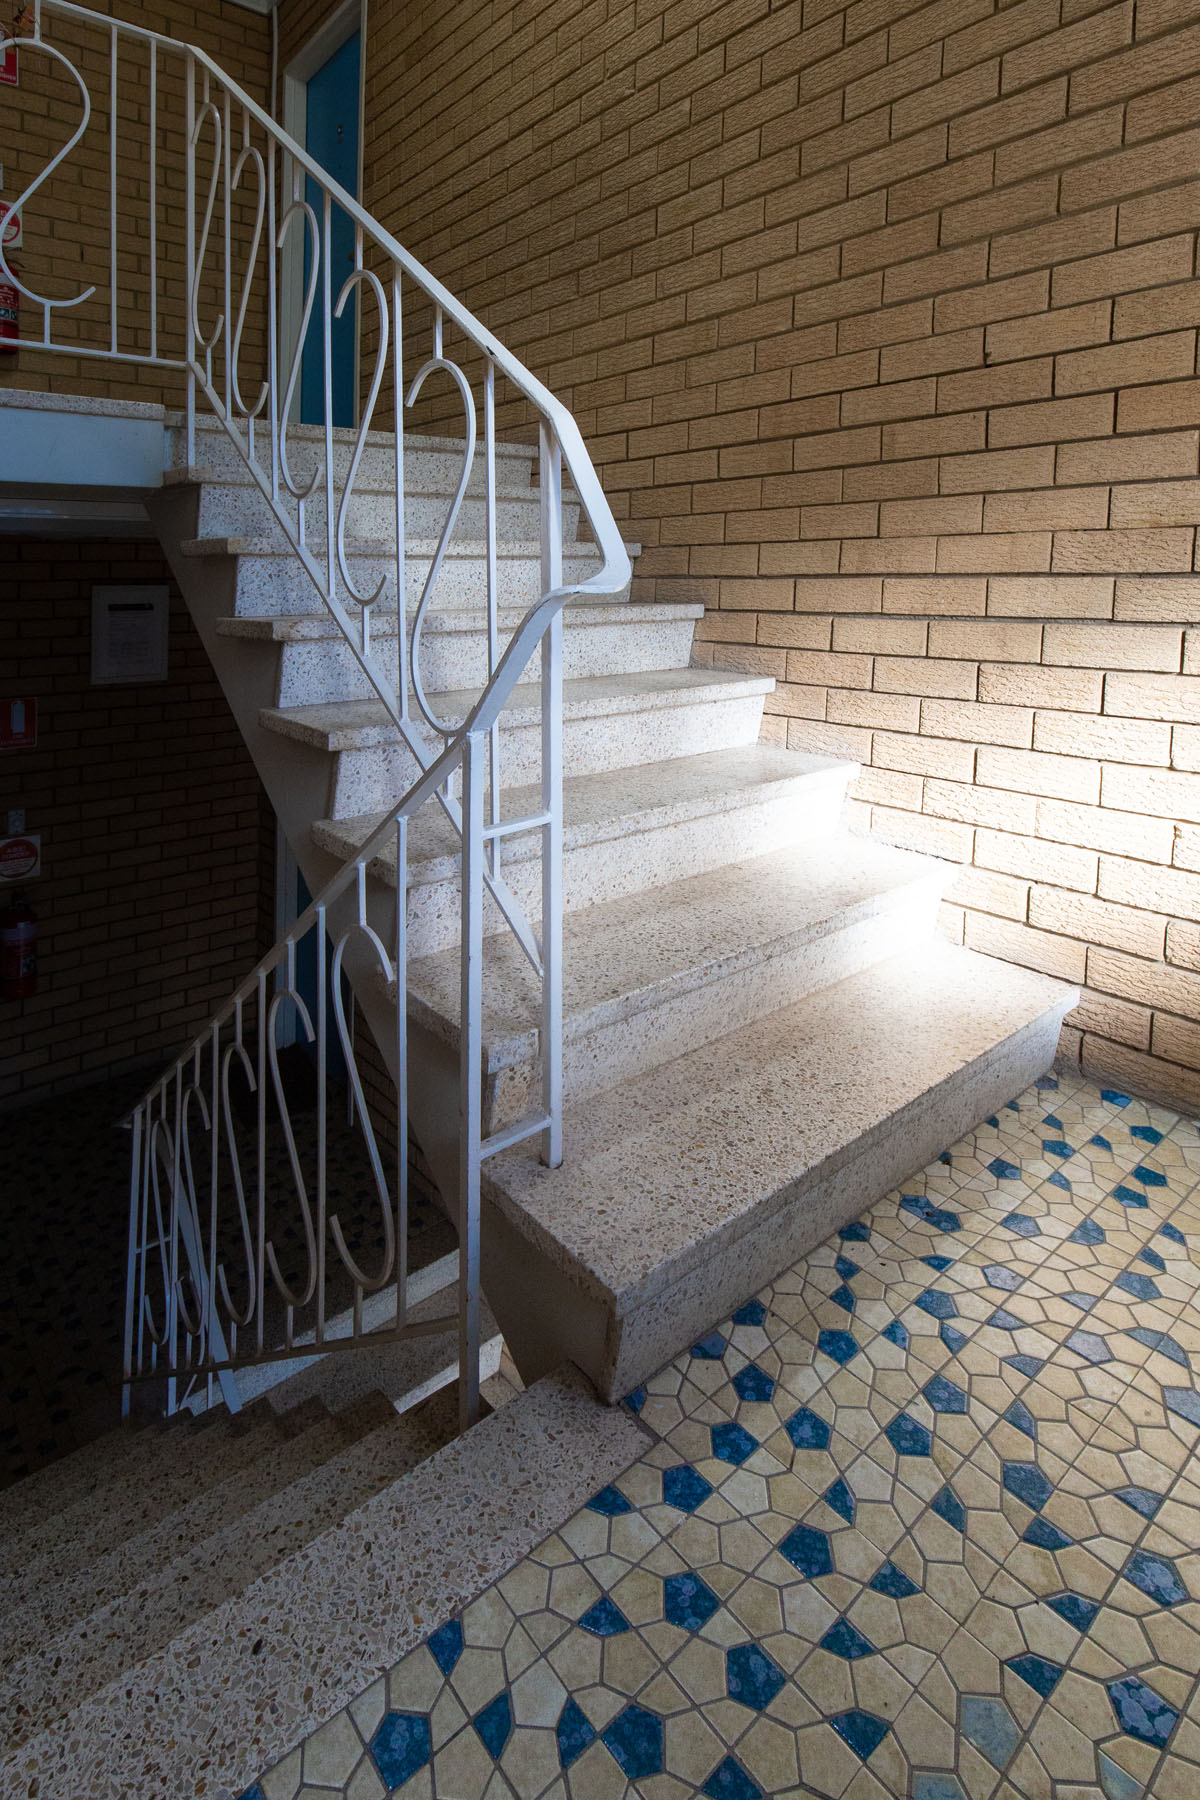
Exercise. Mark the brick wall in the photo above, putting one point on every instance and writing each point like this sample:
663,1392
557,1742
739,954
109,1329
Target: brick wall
880,320
148,806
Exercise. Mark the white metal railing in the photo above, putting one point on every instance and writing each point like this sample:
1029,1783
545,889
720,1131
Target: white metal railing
194,173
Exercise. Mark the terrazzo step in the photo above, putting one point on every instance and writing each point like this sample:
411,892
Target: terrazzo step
162,1464
624,829
128,1536
230,508
609,722
692,1185
270,580
236,1689
429,460
665,970
316,664
38,1684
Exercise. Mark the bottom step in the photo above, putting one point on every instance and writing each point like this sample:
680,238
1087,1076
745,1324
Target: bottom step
691,1186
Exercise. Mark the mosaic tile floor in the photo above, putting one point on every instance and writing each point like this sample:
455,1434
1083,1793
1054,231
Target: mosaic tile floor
920,1520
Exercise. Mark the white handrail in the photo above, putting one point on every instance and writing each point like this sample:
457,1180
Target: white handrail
259,191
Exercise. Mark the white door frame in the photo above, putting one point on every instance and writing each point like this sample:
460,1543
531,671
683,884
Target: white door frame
341,25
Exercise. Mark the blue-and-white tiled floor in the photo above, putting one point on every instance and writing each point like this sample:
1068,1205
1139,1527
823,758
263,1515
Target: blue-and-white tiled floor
922,1519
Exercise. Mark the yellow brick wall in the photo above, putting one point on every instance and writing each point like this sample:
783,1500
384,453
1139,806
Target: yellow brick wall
880,320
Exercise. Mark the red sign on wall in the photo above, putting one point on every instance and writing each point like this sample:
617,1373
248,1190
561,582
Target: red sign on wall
10,226
8,66
18,724
21,857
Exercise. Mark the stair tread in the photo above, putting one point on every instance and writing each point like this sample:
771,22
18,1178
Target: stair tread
659,943
42,1683
667,1170
304,628
599,806
359,724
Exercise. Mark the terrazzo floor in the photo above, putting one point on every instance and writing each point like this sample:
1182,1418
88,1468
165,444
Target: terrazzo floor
920,1520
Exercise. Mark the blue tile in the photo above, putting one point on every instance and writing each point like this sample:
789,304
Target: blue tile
1173,1234
997,1275
1142,1500
732,1443
843,1296
575,1733
929,1786
1129,1196
951,1336
1019,1416
847,1269
636,1400
1101,1142
937,1304
839,1345
807,1430
897,1334
1081,1302
1028,1483
1090,1346
446,1645
838,1496
494,1724
940,1263
1021,1224
861,1730
944,1396
1037,1672
1076,1609
1056,1147
857,1232
252,1793
401,1746
807,1549
1026,1365
1140,1711
847,1641
1002,1170
1149,1177
1114,1097
1142,1287
635,1742
1053,1120
1146,1134
908,1437
1045,1536
1183,1401
1118,1783
604,1619
947,1505
610,1503
753,1313
990,1727
1003,1320
751,1676
893,1582
753,1384
940,1217
1046,1084
729,1781
1163,1343
1087,1233
1059,1180
711,1348
1156,1576
685,1488
688,1601
1153,1261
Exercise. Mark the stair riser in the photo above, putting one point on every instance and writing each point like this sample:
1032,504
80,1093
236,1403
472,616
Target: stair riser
271,587
373,779
597,1053
312,673
376,469
242,511
624,864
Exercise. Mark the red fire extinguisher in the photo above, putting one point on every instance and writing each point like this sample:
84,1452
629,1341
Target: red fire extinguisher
18,949
10,309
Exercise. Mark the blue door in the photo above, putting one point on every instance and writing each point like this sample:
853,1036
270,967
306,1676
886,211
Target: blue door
331,138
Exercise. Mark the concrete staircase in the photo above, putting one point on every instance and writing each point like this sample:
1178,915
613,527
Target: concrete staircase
762,1031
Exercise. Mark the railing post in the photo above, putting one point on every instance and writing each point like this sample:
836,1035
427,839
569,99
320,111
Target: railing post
550,487
131,1282
190,249
470,1106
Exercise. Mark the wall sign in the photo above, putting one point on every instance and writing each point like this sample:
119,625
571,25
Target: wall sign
129,634
21,857
8,66
10,227
18,724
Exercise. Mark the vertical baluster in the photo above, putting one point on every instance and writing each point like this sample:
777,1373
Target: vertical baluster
173,1259
401,962
398,427
228,271
493,623
112,191
131,1258
327,358
322,1116
190,248
470,1109
261,1233
214,1175
272,317
153,222
550,480
144,1238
